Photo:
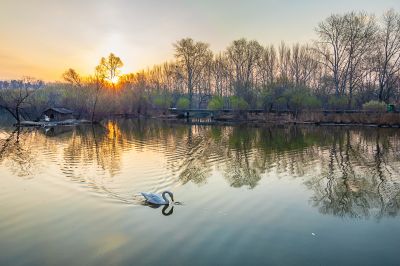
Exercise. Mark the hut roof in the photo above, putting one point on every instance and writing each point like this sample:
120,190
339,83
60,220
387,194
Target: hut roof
60,110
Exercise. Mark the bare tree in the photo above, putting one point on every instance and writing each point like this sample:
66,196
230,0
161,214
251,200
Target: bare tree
243,56
309,65
267,66
99,77
110,67
302,64
284,63
72,77
78,91
221,75
331,46
14,98
388,53
360,31
344,42
192,57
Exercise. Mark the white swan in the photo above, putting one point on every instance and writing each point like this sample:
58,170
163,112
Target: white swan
158,199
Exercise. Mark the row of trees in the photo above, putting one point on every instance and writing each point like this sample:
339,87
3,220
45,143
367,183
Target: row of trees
355,59
27,98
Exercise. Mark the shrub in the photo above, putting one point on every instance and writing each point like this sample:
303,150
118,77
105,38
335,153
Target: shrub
312,102
183,103
375,106
162,101
216,103
281,101
338,102
272,96
238,103
301,98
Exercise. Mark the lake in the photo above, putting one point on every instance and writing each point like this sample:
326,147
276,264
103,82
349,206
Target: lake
276,195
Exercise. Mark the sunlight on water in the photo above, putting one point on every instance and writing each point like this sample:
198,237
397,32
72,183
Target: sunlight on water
248,195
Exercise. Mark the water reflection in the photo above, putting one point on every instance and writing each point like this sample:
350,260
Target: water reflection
16,153
351,172
361,177
166,210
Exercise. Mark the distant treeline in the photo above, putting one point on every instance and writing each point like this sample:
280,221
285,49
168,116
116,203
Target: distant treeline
353,63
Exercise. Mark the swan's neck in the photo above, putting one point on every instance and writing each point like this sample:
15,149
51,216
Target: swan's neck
164,210
165,198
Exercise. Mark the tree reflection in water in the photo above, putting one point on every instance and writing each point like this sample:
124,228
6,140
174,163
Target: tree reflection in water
352,172
361,177
16,152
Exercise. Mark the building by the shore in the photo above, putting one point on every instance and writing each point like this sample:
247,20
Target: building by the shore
57,114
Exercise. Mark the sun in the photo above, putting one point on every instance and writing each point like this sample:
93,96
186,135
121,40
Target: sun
115,80
118,74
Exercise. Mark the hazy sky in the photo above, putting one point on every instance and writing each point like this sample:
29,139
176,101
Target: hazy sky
42,38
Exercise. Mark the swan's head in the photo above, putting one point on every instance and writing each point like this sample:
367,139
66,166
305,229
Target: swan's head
171,195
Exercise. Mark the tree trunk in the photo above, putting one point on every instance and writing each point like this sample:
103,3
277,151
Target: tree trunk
95,103
350,97
380,93
17,116
190,90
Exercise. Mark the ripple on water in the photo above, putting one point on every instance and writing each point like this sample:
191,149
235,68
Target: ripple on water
250,192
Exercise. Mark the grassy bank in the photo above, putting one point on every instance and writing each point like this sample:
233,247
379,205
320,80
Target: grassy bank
359,118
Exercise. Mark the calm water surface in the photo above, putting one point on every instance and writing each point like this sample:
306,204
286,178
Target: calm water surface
267,195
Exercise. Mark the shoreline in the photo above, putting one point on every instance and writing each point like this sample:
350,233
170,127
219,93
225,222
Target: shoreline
69,122
263,123
380,120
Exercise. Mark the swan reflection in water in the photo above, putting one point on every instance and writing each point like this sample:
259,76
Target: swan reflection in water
167,210
164,210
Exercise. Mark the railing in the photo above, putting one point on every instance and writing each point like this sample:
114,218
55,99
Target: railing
181,111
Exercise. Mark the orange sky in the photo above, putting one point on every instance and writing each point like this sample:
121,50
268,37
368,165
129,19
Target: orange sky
42,38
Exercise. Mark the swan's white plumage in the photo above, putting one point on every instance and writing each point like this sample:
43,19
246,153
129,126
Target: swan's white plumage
154,198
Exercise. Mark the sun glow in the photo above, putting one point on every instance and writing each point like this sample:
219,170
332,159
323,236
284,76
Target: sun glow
115,80
114,131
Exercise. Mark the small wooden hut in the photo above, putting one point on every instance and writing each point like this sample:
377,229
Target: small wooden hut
58,114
